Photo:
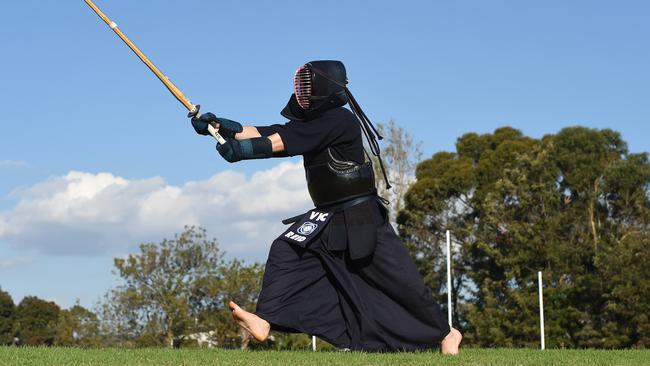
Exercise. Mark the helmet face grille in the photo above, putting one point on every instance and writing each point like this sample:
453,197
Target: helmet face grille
302,84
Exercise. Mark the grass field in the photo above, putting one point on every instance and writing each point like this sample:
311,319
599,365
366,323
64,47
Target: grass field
124,357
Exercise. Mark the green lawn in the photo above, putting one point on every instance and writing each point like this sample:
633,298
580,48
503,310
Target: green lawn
124,357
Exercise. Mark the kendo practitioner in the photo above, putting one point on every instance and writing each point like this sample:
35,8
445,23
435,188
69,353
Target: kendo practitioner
339,272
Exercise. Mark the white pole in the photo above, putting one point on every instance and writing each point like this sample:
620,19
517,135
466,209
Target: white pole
449,277
541,310
313,343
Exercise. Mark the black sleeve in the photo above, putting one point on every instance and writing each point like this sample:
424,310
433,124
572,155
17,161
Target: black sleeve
267,131
302,137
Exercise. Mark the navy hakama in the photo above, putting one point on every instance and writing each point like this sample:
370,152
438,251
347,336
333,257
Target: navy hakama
375,303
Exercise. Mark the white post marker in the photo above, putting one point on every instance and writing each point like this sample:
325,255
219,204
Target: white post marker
313,343
541,311
449,277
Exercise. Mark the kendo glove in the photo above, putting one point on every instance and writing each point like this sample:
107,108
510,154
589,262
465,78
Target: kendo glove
227,128
255,148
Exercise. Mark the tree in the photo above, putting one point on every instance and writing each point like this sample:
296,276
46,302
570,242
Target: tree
154,301
400,155
36,321
7,313
575,205
177,288
77,326
237,282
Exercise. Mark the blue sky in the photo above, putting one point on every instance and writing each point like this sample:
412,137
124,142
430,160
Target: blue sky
96,155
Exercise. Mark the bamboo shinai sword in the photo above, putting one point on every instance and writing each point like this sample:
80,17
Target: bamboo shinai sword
192,108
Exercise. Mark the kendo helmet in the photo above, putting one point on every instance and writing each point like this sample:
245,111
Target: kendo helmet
318,83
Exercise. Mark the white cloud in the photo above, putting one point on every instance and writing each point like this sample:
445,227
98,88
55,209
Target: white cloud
12,163
93,214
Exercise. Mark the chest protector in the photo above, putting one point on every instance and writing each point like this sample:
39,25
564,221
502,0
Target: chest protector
332,181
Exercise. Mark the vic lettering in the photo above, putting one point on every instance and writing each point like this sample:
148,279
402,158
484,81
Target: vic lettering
318,216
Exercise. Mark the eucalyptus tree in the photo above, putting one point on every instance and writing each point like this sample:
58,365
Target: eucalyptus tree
574,204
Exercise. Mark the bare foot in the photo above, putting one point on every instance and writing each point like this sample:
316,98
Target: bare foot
451,342
256,326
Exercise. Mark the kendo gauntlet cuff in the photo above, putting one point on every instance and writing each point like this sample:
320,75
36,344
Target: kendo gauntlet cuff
255,148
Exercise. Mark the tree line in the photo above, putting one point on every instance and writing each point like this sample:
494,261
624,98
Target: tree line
173,294
575,205
37,322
